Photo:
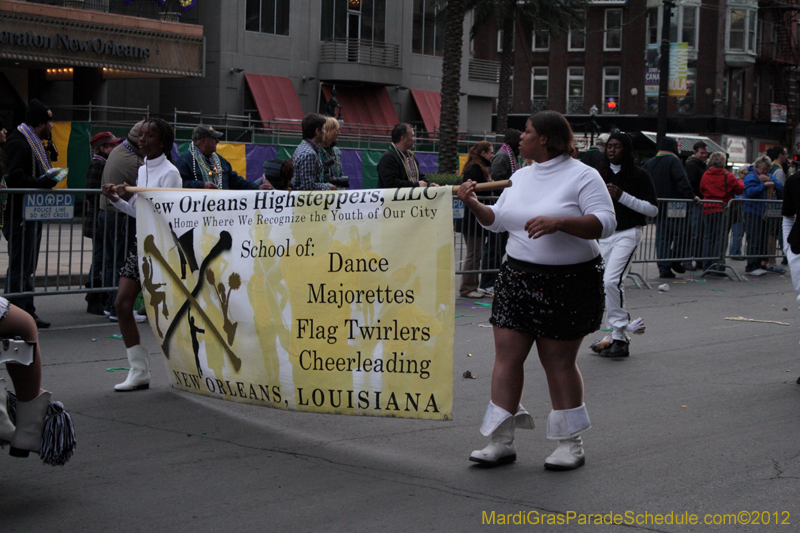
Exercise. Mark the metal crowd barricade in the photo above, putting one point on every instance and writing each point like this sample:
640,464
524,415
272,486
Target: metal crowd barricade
685,231
44,250
50,254
755,230
490,246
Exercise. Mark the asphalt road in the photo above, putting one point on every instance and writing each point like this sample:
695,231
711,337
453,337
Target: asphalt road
702,419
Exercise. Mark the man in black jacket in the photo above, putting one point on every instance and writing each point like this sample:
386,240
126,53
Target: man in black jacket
669,178
26,163
695,168
102,145
398,167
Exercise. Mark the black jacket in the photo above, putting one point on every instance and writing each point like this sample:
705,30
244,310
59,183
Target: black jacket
694,171
21,173
669,176
392,172
638,184
469,224
593,157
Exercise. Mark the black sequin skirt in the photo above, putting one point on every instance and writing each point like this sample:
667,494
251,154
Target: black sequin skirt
131,267
560,302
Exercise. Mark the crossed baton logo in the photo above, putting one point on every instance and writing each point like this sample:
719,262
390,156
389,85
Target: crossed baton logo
225,243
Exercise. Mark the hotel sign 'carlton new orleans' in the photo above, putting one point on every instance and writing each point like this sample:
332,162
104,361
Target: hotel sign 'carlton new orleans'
58,36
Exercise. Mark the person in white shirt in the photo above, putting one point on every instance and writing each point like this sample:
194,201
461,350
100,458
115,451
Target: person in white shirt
155,144
549,291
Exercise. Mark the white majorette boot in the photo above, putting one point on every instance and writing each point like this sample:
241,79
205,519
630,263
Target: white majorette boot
30,425
565,426
139,374
6,427
499,424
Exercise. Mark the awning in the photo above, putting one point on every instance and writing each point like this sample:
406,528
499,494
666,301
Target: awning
275,99
685,142
429,104
363,107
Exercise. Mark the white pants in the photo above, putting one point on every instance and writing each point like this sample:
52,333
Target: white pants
617,252
794,268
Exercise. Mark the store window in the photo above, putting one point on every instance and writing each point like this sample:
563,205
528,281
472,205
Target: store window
267,16
613,30
611,90
353,19
427,33
575,90
576,40
539,89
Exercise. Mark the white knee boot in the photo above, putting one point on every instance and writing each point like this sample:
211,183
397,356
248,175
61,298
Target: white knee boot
565,426
30,425
6,427
499,424
139,374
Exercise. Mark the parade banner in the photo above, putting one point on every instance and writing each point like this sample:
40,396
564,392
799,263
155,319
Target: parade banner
330,302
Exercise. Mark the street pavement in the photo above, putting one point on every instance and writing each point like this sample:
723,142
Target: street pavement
702,419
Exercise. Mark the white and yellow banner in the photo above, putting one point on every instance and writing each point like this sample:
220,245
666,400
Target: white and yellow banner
332,302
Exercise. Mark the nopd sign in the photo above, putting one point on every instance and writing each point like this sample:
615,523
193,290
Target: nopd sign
49,206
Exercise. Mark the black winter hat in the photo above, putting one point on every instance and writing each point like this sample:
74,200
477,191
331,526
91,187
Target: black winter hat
669,144
625,139
37,113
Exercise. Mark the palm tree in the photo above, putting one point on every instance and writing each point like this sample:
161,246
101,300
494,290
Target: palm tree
522,16
453,12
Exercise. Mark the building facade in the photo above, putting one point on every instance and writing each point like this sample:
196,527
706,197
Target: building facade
384,58
742,70
104,52
272,61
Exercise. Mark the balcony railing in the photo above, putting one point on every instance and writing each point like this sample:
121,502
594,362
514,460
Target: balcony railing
361,51
171,10
539,104
575,106
484,70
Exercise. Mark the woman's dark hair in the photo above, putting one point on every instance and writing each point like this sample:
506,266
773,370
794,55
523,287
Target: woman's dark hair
474,158
512,138
553,126
286,175
166,133
628,160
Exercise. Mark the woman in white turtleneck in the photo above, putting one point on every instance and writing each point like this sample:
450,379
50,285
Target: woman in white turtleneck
549,292
155,144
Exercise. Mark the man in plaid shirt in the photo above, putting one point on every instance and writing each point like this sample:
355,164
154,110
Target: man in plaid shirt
306,158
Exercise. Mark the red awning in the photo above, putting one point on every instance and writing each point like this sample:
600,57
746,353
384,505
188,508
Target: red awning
367,106
276,100
429,104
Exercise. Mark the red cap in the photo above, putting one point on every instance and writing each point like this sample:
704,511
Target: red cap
102,138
